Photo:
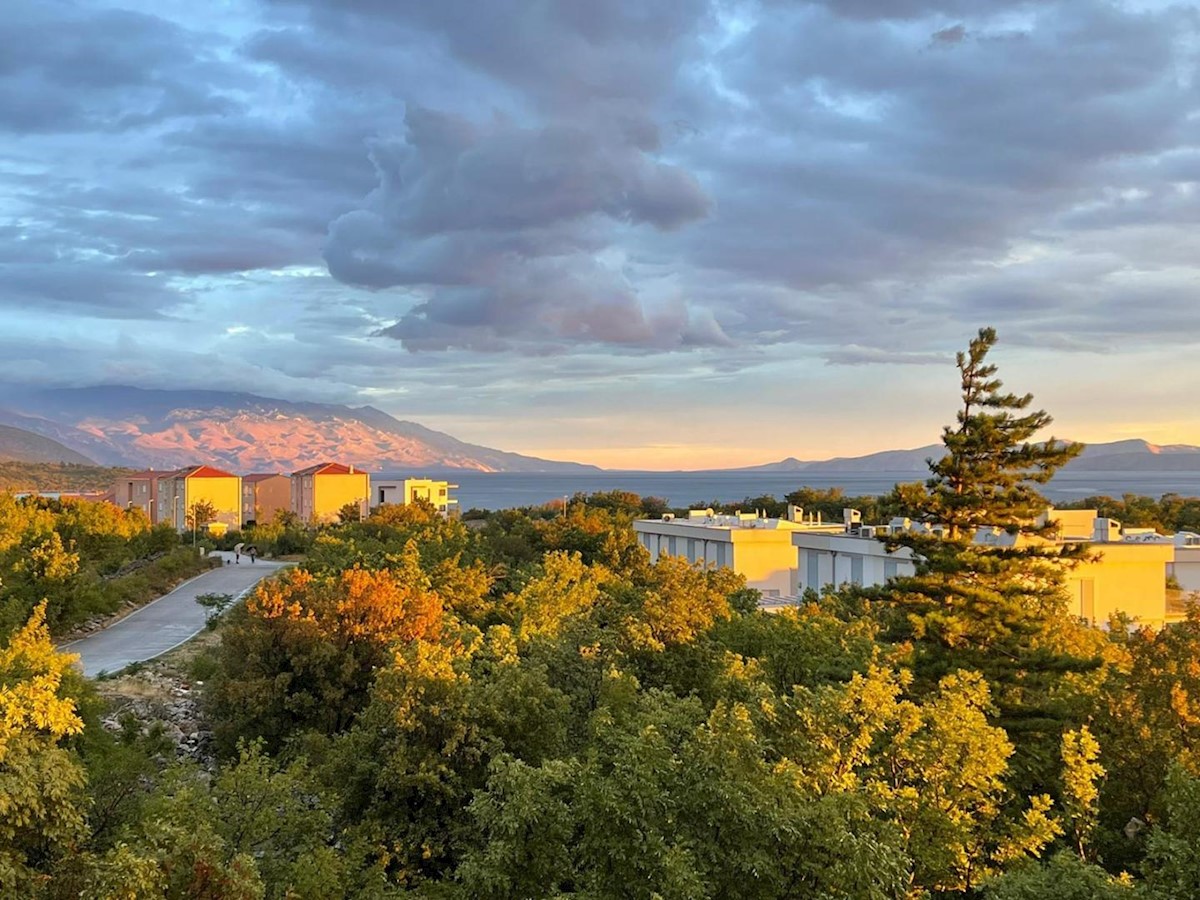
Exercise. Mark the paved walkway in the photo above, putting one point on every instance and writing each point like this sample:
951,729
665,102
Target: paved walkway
166,622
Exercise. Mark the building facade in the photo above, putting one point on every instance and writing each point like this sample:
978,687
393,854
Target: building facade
264,495
410,490
759,549
138,490
320,492
1127,575
1185,566
179,491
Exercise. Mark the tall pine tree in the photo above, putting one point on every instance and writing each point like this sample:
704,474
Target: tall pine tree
998,605
990,472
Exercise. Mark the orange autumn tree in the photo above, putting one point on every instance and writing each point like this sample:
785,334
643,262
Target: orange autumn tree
304,650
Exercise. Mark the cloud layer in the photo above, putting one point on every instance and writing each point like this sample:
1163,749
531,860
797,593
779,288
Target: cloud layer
469,210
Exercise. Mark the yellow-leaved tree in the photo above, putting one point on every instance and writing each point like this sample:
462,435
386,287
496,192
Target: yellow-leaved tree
40,781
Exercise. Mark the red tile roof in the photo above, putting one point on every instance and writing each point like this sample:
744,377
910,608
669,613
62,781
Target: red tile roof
197,472
327,468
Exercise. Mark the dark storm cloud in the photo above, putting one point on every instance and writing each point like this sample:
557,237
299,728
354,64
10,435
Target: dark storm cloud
500,225
955,34
557,55
87,290
934,151
69,69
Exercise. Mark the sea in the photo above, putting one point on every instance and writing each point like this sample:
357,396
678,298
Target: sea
505,490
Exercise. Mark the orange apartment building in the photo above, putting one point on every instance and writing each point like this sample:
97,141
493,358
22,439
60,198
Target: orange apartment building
138,490
321,491
263,495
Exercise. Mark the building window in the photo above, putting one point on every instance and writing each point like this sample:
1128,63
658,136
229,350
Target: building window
891,568
723,555
856,570
671,551
691,550
813,579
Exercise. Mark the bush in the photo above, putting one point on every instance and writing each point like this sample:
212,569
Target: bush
229,540
204,666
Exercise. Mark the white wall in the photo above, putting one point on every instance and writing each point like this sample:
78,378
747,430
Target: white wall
1186,568
844,559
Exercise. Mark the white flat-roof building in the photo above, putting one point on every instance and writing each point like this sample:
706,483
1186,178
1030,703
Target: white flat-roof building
410,490
758,548
1185,567
853,555
1129,576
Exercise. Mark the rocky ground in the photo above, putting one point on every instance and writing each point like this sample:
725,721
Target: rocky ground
165,690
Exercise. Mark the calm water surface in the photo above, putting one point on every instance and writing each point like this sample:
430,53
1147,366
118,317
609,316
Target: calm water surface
484,490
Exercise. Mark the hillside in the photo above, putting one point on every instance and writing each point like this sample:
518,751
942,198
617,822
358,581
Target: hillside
19,445
24,476
245,432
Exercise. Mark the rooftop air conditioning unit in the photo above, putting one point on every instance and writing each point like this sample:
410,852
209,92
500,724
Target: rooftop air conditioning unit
867,531
668,517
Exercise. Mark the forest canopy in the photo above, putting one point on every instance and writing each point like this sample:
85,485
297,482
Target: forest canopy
532,707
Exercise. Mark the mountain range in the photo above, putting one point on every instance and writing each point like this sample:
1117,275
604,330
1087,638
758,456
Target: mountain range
125,426
161,429
1117,456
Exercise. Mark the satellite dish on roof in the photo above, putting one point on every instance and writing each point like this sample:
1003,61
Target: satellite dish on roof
709,512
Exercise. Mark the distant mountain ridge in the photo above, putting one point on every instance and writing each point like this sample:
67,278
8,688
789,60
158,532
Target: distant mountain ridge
165,429
20,445
1133,455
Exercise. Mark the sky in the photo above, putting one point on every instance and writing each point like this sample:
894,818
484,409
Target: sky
671,234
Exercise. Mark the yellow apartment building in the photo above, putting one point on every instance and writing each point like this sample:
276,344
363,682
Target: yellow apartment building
319,492
179,491
410,490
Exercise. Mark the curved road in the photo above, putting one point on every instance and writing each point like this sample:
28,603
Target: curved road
166,622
